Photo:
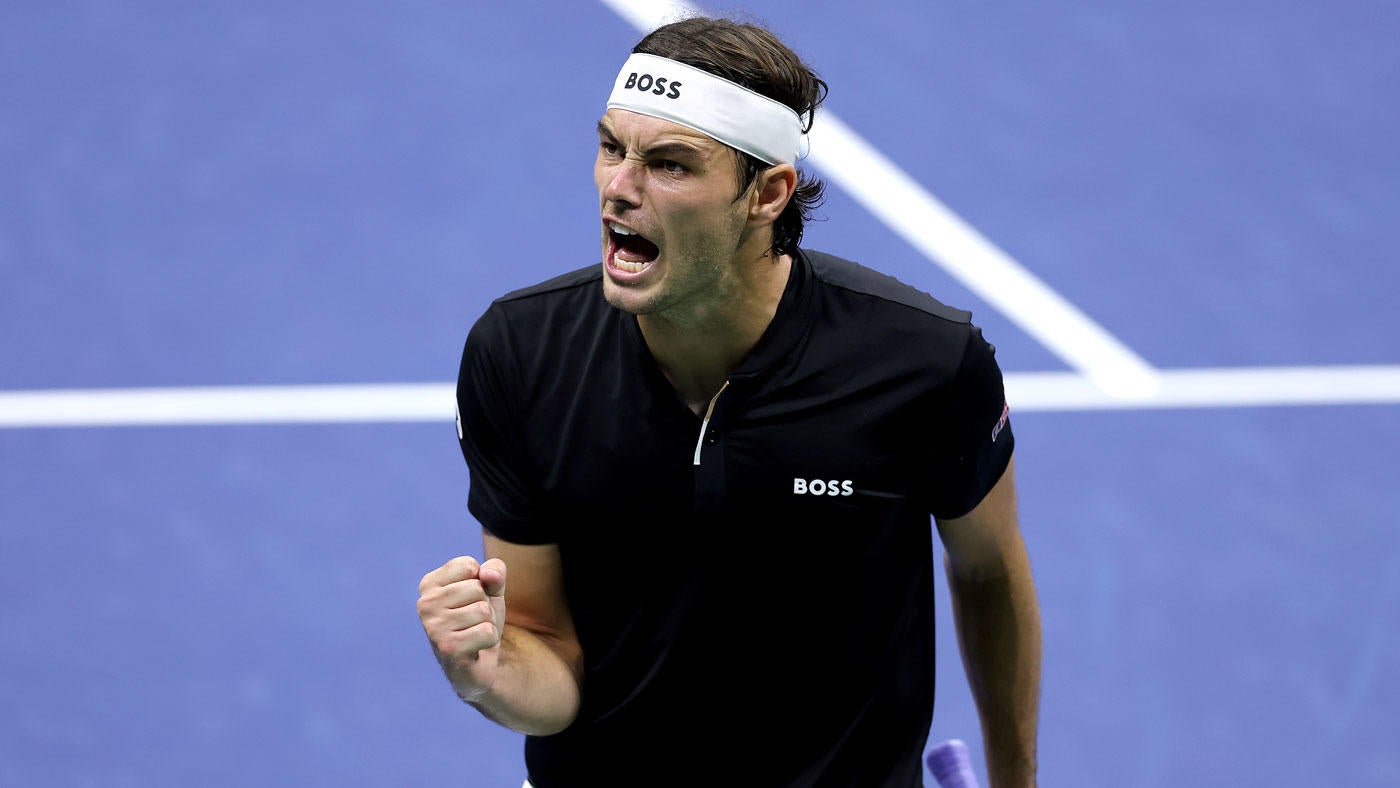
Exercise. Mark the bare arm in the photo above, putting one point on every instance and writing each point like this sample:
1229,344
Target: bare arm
518,662
997,617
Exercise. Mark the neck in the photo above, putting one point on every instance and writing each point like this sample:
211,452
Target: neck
699,352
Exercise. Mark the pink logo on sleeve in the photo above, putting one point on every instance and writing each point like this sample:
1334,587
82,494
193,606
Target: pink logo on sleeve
1001,422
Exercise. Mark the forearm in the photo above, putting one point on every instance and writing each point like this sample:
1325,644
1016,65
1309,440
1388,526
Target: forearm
536,690
998,624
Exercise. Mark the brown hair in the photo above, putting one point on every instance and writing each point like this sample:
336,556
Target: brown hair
753,57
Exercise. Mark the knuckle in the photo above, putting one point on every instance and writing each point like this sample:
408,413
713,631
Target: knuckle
463,566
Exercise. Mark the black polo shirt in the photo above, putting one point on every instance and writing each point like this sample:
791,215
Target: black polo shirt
754,600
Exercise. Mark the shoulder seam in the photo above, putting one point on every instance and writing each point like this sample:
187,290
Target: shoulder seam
952,314
579,277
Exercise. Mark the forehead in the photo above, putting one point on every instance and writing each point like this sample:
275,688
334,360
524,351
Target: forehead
634,129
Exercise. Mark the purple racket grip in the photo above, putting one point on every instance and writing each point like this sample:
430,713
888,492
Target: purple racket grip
951,765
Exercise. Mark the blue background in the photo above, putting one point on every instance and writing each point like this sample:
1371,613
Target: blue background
309,192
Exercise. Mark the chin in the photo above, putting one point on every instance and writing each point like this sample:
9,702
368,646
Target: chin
626,299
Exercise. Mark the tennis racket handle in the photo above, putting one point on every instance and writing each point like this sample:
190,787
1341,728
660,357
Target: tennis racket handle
951,765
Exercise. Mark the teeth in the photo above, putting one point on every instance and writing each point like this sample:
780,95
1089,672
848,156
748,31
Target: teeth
629,267
620,230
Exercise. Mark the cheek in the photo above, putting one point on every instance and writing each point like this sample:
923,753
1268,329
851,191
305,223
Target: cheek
700,216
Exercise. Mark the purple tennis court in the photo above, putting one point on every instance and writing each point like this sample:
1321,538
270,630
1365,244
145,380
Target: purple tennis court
240,247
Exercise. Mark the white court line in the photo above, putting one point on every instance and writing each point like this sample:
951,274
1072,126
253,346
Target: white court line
1214,388
913,213
227,405
1027,392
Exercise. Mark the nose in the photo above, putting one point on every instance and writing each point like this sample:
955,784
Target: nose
622,183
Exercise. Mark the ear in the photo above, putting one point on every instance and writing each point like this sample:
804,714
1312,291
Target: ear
771,191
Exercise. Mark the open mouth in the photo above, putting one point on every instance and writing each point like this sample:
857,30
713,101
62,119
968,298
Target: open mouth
629,251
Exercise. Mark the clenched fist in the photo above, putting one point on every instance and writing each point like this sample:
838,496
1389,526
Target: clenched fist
462,605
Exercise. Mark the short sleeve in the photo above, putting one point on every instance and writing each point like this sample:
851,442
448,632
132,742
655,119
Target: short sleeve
505,495
973,440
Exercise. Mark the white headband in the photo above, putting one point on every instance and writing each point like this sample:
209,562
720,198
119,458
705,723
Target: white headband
727,111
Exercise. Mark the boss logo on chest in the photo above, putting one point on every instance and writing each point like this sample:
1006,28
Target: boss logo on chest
841,487
646,83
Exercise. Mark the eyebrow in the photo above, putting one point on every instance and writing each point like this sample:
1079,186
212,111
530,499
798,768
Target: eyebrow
663,150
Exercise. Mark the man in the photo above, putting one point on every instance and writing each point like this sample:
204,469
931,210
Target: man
705,472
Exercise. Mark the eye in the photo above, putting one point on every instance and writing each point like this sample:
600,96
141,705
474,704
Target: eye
609,148
672,167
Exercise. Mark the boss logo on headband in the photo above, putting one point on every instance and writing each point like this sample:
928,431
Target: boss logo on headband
648,83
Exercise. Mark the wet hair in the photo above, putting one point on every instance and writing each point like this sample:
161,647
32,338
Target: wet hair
754,57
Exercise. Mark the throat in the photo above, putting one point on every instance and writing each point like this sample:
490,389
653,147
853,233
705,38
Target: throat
696,371
698,397
699,347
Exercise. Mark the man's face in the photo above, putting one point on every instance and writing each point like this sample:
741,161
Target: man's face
671,225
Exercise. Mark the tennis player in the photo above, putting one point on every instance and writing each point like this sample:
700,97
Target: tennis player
707,472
